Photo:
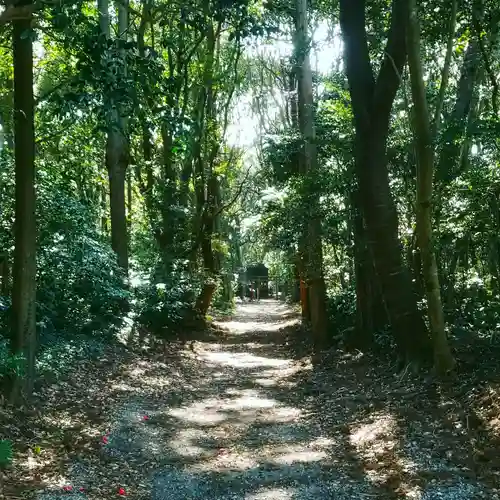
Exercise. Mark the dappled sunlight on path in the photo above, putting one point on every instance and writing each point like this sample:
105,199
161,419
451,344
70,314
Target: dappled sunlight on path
242,418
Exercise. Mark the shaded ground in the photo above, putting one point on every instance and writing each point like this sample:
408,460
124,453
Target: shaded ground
246,416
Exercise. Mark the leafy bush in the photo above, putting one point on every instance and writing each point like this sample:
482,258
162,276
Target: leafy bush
476,307
80,286
162,307
5,453
223,300
341,310
11,365
59,358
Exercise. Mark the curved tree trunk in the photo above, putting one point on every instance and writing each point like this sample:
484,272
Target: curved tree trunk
372,102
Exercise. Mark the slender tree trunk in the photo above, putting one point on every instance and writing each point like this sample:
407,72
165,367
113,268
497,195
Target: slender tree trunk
297,168
24,337
372,101
2,136
104,209
315,279
204,185
169,224
147,144
443,359
415,263
5,275
451,278
450,165
129,203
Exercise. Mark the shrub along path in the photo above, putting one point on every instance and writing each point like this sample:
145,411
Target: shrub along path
246,416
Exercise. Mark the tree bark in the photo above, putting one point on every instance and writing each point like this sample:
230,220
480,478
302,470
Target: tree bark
314,265
371,315
117,148
116,163
372,102
146,188
443,359
5,275
24,337
168,195
296,169
204,185
129,204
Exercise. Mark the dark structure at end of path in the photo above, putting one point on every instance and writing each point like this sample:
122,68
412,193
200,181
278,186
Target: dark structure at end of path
254,282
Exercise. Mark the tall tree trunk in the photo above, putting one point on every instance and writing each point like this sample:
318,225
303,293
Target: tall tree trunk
372,102
24,338
129,203
315,278
204,176
371,315
169,224
117,153
116,163
147,141
104,209
5,275
293,113
443,360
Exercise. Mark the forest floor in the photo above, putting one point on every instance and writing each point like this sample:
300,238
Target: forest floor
246,416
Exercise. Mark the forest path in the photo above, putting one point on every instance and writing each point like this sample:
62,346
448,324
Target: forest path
242,418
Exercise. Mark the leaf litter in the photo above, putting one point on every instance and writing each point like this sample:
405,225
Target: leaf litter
248,416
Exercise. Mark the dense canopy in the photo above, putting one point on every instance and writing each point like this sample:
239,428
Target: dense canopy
152,151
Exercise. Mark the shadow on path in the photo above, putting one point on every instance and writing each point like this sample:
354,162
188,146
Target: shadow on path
241,418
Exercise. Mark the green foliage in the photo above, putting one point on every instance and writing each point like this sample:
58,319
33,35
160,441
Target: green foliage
223,301
80,287
11,365
60,354
342,311
5,453
162,308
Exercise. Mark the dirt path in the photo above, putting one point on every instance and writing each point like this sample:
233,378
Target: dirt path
241,419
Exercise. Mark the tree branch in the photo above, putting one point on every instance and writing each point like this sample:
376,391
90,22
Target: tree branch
357,60
487,66
17,13
388,79
445,74
236,196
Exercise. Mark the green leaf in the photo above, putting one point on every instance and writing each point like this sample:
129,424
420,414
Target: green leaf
5,452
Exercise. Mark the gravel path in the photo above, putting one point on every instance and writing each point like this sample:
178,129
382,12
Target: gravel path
239,419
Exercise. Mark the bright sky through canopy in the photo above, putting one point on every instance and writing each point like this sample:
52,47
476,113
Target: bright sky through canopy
244,127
